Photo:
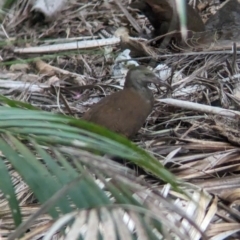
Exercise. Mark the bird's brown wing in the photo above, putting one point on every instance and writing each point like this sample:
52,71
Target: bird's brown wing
123,112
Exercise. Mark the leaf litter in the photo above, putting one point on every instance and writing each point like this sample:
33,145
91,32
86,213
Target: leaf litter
193,130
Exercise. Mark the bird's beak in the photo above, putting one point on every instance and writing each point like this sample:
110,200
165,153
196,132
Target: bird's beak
154,79
159,82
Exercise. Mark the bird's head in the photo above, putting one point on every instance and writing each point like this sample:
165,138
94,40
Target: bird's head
139,77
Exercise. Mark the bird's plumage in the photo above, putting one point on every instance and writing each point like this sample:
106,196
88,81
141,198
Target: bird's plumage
125,111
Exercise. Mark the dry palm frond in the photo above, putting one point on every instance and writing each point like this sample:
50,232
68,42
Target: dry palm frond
193,131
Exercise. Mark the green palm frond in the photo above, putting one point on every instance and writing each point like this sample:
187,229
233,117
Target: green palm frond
60,158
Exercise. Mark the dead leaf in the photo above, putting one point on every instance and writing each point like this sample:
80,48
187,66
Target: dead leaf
48,8
22,67
44,68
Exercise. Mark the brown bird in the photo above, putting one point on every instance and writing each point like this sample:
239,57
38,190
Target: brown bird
125,111
164,18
